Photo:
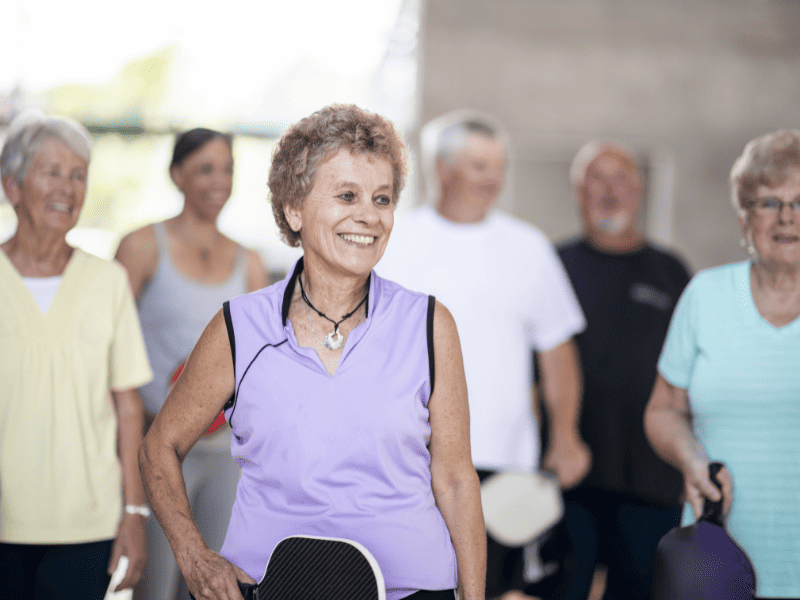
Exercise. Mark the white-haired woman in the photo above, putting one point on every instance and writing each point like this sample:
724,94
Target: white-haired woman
729,379
71,359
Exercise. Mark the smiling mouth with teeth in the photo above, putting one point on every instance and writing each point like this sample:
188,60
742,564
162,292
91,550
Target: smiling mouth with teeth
364,240
60,207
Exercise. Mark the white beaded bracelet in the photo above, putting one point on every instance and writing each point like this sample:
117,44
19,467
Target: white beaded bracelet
133,509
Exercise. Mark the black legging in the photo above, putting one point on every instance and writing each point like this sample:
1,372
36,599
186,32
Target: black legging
55,571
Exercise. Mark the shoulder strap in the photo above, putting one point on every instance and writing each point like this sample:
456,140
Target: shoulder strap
431,358
161,236
226,311
240,262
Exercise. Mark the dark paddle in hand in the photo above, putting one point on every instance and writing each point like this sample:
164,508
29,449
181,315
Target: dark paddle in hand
702,561
316,568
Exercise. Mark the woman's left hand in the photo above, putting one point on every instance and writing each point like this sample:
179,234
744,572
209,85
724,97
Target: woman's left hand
131,542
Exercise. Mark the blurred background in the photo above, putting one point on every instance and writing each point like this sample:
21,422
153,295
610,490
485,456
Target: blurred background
686,84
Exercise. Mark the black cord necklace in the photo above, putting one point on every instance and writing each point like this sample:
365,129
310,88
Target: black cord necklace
332,341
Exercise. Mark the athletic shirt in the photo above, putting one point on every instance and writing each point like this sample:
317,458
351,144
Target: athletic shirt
742,377
508,293
174,310
343,455
628,301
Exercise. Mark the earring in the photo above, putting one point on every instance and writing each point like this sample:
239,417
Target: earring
748,245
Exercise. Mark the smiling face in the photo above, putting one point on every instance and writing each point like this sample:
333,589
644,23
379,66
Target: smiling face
206,178
346,219
610,196
775,234
472,184
52,194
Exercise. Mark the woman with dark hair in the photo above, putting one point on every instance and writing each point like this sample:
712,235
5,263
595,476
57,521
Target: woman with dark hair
345,391
728,386
181,270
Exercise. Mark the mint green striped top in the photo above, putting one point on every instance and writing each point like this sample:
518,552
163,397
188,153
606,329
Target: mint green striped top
743,378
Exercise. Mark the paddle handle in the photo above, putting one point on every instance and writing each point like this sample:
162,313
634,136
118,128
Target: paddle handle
712,511
249,591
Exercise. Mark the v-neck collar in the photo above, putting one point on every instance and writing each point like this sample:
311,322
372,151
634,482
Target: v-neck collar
750,303
23,292
352,338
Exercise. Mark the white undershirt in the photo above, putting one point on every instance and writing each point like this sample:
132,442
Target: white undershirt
43,290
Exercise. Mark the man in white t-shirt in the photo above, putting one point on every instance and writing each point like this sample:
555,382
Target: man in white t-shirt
509,294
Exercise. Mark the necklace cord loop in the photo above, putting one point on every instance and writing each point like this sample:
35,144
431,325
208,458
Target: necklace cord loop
332,341
323,315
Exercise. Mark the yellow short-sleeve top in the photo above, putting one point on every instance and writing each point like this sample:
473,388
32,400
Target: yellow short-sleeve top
60,478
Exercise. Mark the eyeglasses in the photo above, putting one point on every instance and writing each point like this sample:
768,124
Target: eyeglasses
773,206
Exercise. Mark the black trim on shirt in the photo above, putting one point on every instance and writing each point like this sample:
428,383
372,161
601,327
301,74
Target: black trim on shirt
287,293
366,304
226,311
431,358
238,387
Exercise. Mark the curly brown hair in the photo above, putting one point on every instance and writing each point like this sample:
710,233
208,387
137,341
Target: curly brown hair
767,160
314,139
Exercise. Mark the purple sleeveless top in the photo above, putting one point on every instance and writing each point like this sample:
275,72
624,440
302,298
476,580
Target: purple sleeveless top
343,455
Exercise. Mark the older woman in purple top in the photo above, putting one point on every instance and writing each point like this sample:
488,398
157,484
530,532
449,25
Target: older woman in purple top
345,392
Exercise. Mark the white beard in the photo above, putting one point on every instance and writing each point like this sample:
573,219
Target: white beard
616,223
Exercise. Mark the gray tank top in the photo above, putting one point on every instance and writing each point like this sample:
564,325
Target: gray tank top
174,310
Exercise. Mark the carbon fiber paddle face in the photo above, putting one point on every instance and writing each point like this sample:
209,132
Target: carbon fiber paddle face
303,568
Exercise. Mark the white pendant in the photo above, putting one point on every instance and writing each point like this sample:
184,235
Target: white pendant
334,341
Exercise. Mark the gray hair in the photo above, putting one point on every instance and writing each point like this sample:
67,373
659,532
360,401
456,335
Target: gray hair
590,151
26,135
434,145
767,160
453,138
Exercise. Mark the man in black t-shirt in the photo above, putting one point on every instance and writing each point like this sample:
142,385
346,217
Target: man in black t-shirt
628,289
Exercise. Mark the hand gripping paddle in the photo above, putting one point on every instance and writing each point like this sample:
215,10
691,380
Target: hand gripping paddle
317,568
702,561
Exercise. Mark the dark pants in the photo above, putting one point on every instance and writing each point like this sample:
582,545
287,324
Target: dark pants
619,532
55,571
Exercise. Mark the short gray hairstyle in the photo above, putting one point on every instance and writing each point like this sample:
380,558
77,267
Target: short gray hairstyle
26,135
590,152
433,147
767,160
453,138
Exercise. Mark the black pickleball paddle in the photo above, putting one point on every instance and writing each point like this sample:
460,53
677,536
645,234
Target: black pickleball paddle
702,561
316,568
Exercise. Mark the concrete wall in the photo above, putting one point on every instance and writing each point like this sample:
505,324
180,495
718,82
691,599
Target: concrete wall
687,84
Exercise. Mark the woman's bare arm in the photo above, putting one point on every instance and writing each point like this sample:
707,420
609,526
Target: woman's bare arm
138,253
667,422
202,389
130,540
454,480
